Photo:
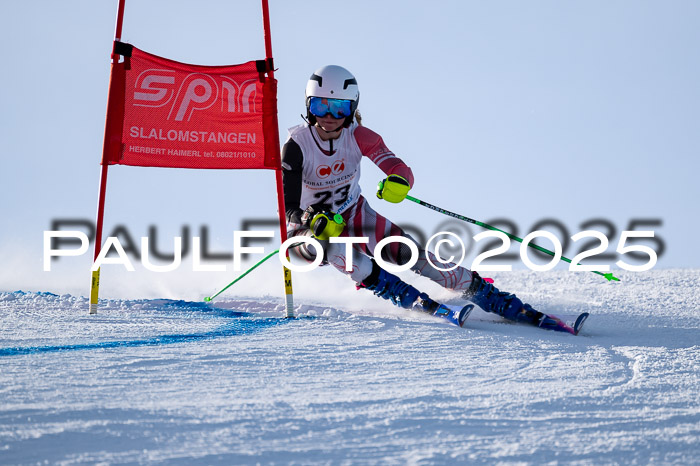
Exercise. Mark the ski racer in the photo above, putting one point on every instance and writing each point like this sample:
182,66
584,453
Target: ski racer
321,172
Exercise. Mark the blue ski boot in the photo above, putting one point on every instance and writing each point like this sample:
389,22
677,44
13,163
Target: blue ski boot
389,286
491,299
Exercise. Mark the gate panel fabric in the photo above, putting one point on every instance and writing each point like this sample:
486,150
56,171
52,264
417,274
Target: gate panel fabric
163,113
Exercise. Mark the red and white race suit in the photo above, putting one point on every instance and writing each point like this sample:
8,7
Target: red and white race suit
326,174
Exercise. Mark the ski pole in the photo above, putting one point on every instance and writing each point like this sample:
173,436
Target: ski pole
260,262
608,276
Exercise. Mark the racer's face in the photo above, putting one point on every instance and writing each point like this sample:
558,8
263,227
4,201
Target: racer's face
329,124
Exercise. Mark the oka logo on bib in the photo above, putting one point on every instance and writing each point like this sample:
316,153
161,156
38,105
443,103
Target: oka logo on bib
324,171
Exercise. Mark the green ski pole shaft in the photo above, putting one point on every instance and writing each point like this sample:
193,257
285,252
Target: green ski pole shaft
608,276
255,266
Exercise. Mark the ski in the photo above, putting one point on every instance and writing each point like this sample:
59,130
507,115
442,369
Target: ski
531,316
455,315
552,322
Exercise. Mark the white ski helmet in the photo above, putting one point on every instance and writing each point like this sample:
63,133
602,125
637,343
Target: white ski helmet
333,82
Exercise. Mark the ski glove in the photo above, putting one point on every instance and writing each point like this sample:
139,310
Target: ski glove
323,225
393,189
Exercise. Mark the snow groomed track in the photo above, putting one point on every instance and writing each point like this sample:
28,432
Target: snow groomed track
149,381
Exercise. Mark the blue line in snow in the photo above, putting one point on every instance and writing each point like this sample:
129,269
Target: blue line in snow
238,323
242,327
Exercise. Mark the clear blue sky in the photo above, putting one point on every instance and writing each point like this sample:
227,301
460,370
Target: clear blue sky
575,111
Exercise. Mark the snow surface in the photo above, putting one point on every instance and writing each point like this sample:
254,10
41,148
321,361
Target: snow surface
164,381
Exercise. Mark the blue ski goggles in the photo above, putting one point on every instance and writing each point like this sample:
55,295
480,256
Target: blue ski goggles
322,106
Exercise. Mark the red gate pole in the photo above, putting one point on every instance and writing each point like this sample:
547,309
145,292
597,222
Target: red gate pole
289,303
95,280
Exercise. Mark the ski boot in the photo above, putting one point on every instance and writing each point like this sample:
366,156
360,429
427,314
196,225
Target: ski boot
389,286
491,299
509,306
